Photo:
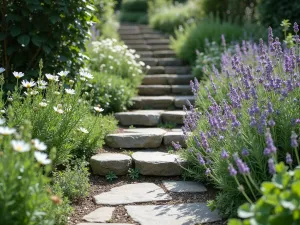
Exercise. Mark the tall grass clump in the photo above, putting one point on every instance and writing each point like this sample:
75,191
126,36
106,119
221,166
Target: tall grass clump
242,112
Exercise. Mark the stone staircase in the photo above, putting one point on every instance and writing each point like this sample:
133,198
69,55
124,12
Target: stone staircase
148,128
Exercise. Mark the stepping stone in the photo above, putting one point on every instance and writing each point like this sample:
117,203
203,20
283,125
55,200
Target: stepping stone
100,215
154,89
145,130
104,224
184,186
181,89
180,101
167,79
156,79
179,79
177,69
158,41
150,61
140,117
135,138
169,62
164,54
176,137
156,70
173,117
158,163
103,163
181,214
132,193
153,102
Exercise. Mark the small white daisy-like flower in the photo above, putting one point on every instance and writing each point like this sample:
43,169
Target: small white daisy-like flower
20,146
63,73
42,158
39,145
33,92
52,77
57,92
42,83
71,81
70,91
58,109
2,111
10,99
86,74
43,104
2,69
7,130
18,74
148,67
83,130
98,109
142,63
28,84
2,121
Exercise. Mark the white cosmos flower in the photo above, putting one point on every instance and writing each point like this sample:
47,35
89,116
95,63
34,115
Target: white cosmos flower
28,84
43,104
70,91
39,145
20,146
2,69
58,109
42,83
63,73
7,130
18,74
42,158
52,77
2,121
98,109
83,130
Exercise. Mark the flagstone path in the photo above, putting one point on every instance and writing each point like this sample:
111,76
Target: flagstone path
164,91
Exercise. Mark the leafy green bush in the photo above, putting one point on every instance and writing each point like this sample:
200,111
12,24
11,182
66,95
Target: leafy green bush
34,30
72,182
134,11
279,204
190,38
134,17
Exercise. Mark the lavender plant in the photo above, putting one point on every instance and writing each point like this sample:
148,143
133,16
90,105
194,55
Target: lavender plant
242,112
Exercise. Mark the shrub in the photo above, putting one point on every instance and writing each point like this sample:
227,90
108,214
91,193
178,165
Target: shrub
34,30
134,11
279,203
134,17
244,110
192,37
73,182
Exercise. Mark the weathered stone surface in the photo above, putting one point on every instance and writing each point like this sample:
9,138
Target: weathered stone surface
181,214
184,186
132,37
156,70
100,215
144,53
155,89
150,61
132,193
160,47
176,137
173,117
169,62
158,163
139,117
180,101
181,89
164,54
179,79
177,69
160,79
136,138
158,41
154,102
139,47
104,224
104,163
135,42
152,36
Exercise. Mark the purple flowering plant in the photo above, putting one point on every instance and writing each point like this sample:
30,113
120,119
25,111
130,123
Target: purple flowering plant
243,119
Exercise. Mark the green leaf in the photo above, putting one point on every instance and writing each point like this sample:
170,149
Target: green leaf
267,187
2,36
37,40
245,211
296,188
15,31
24,40
235,222
46,49
54,19
11,50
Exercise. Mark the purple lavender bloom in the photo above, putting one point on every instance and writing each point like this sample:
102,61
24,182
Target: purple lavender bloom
245,152
200,159
271,166
271,122
176,146
294,141
232,170
223,40
270,36
208,171
204,141
288,158
224,154
270,148
197,142
242,166
296,28
270,107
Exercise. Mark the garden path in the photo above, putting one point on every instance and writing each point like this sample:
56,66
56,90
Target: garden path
155,115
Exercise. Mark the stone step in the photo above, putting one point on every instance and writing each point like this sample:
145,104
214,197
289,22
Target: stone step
184,186
145,54
139,47
175,116
158,163
153,102
129,31
155,90
135,42
164,54
126,37
150,61
180,101
156,70
160,47
177,69
139,117
170,62
154,36
181,90
136,138
174,136
167,79
158,41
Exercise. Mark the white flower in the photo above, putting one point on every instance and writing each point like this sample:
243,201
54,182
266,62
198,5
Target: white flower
52,77
63,73
57,92
142,63
2,69
2,121
43,104
20,146
10,99
42,84
58,109
2,111
39,145
33,92
86,74
98,109
7,130
28,84
148,67
70,91
42,158
18,74
83,130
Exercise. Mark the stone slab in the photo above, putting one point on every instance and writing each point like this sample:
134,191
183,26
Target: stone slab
180,79
139,117
100,215
104,224
103,163
156,70
181,214
132,193
154,102
177,69
184,186
158,163
153,90
173,116
157,131
176,137
155,79
164,54
169,62
180,101
181,89
150,61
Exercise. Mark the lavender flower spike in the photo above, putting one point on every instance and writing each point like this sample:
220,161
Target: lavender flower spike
270,148
232,170
294,142
296,28
271,166
207,172
288,158
224,154
242,166
245,152
200,159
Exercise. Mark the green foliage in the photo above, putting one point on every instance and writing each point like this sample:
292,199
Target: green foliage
134,173
280,203
111,176
168,125
134,17
73,182
134,11
36,29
